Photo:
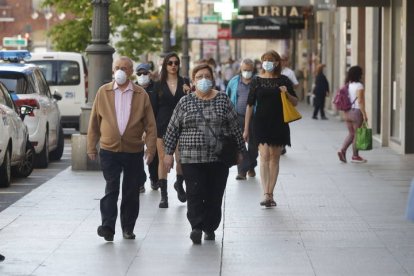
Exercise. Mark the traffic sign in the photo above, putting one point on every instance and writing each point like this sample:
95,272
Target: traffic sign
14,42
210,18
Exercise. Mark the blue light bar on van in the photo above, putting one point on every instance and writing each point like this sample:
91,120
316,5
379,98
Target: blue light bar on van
15,55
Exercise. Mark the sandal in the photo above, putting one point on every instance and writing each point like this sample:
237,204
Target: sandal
270,202
265,201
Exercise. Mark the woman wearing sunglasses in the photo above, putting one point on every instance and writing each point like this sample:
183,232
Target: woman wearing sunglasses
170,88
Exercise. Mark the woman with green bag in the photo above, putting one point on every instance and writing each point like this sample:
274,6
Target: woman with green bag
356,115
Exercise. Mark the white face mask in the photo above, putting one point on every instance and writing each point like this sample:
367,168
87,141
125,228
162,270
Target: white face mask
267,66
143,79
247,74
120,77
204,85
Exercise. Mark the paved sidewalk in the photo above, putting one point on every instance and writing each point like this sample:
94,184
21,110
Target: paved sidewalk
331,219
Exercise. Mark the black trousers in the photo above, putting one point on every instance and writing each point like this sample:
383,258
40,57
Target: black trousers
153,168
319,105
132,167
250,157
205,185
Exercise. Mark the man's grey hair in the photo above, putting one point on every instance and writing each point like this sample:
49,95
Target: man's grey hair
123,58
247,61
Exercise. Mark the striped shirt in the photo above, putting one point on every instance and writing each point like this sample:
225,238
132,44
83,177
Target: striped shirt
123,101
188,129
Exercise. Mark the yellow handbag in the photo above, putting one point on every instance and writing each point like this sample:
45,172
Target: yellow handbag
290,113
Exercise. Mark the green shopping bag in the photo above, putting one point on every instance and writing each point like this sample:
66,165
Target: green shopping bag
364,137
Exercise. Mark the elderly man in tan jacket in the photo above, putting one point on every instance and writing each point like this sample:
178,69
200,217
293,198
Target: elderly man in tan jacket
121,113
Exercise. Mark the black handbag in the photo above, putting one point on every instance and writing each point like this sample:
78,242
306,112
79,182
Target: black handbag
226,146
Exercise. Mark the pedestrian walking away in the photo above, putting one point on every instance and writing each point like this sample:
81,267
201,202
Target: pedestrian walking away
120,115
194,119
143,72
270,130
170,89
238,91
321,91
355,116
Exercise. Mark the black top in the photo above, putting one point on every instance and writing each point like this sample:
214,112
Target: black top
165,103
321,85
152,95
269,126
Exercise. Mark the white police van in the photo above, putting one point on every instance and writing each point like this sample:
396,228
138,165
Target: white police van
28,87
67,74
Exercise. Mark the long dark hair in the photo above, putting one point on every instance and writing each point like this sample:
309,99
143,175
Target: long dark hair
354,74
164,72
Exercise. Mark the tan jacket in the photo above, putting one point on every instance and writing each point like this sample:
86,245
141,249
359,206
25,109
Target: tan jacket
103,126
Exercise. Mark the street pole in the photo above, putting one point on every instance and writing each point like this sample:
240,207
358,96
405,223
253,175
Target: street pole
166,30
201,41
185,59
100,72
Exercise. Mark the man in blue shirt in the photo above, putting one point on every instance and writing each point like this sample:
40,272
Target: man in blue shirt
238,90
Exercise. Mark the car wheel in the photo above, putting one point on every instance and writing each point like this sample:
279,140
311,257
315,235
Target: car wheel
57,153
42,159
5,170
25,168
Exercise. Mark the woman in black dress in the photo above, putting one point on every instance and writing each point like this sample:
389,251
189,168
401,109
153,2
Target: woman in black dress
271,133
171,88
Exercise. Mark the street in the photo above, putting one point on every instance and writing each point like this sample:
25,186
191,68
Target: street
22,186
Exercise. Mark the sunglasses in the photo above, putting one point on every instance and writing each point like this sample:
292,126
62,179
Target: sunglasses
142,73
176,63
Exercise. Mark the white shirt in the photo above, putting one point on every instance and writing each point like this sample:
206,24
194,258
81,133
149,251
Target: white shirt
290,74
353,88
123,106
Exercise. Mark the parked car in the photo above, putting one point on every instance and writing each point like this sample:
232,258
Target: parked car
66,73
28,86
16,151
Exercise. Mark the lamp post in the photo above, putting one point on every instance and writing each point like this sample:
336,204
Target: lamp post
166,30
100,72
185,57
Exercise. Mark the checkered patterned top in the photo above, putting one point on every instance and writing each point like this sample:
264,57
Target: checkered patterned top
187,128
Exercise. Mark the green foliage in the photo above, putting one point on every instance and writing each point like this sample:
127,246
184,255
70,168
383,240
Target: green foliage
136,28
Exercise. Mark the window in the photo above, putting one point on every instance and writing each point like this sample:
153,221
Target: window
59,72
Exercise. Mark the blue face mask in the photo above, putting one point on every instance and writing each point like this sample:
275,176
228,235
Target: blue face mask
268,66
204,85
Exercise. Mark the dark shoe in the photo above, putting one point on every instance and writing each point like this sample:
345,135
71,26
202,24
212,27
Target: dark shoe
154,185
142,189
283,151
315,118
241,176
251,173
342,156
2,258
209,236
178,186
324,118
164,194
106,233
128,235
270,202
195,236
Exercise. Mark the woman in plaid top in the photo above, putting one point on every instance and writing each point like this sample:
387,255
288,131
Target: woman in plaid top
205,175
